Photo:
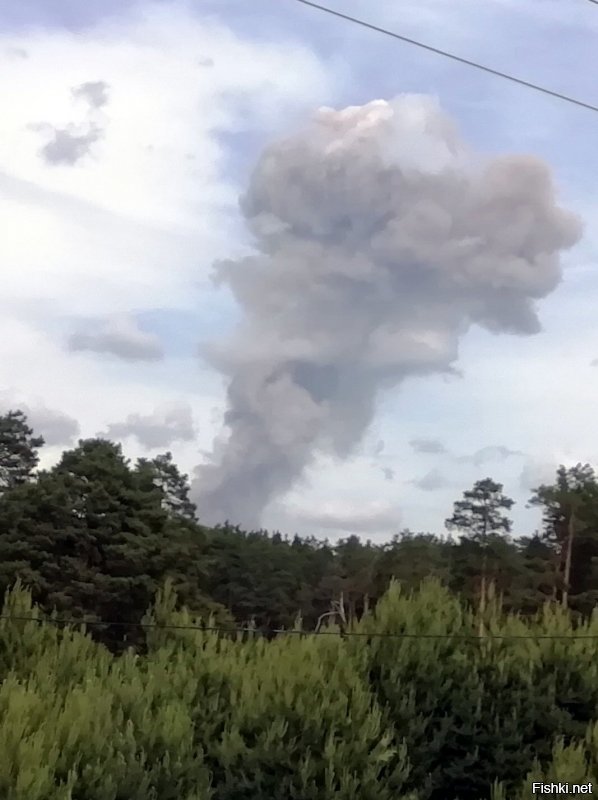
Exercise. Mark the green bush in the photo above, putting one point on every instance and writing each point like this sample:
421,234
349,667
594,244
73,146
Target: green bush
433,713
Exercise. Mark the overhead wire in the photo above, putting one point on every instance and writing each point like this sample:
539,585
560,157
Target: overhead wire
280,631
365,634
467,62
75,623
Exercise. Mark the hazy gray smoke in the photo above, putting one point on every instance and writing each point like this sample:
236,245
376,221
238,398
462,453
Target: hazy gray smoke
380,240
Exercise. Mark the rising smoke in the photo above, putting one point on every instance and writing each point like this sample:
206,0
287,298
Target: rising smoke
380,239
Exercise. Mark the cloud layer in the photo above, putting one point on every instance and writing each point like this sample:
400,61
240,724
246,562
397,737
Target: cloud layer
371,518
380,240
160,429
57,428
428,446
118,336
431,481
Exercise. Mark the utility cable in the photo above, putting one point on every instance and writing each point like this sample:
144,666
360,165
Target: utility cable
452,56
291,631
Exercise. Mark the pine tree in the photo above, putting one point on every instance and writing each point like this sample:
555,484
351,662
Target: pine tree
480,519
570,512
479,515
18,450
90,536
173,485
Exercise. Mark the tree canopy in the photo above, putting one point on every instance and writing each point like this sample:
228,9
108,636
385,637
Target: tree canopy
94,536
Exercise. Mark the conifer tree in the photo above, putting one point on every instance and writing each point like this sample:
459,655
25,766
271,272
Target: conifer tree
90,536
570,514
18,450
480,519
173,485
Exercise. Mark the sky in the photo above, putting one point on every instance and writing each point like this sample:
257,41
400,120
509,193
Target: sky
339,277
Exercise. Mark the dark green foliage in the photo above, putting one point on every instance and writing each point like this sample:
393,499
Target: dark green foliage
410,558
449,710
570,517
92,538
574,490
504,564
483,545
537,580
426,686
18,450
267,579
479,514
199,717
432,714
173,486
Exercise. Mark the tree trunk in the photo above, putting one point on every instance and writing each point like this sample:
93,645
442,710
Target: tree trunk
366,605
483,590
568,556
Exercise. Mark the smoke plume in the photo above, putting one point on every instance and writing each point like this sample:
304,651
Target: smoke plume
379,240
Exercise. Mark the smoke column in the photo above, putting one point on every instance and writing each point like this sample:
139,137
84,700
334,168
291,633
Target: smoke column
379,240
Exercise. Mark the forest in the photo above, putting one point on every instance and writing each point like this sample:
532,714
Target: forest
145,655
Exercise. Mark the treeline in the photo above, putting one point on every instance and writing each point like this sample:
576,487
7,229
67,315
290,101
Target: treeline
468,689
415,706
95,536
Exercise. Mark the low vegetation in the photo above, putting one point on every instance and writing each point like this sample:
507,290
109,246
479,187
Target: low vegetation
442,669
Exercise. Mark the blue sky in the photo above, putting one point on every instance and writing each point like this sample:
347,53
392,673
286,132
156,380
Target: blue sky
131,230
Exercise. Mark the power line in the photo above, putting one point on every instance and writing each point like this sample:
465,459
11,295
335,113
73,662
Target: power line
292,631
452,56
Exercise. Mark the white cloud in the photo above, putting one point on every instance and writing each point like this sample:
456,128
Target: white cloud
162,428
141,221
57,428
536,473
490,454
137,223
432,446
120,337
342,519
431,481
94,93
96,392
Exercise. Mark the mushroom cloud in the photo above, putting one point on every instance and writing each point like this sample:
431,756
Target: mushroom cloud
380,238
